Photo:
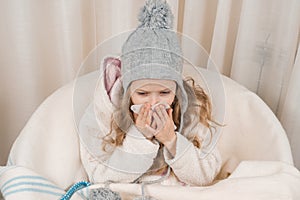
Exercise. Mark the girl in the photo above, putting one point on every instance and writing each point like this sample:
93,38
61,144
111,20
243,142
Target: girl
163,123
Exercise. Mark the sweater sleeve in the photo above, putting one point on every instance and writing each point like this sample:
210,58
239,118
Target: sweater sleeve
192,165
127,162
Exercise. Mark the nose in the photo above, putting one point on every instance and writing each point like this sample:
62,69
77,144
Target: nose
154,99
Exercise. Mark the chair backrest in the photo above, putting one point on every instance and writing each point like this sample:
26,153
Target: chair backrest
49,142
251,131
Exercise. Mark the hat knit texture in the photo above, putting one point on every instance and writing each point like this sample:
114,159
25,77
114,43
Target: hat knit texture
152,50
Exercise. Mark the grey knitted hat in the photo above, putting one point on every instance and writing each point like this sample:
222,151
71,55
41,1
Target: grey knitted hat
153,51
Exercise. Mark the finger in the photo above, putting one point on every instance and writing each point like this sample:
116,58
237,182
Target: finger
153,124
135,116
158,121
149,117
159,110
170,113
141,113
165,114
144,113
142,110
140,121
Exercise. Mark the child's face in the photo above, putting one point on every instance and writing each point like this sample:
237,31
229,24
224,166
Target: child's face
152,91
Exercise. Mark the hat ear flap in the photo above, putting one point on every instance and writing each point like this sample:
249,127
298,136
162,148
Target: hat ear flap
112,76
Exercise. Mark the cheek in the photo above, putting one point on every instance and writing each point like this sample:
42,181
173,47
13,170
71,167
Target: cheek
169,99
137,99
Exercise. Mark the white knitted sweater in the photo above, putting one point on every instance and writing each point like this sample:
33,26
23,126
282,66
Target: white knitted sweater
190,165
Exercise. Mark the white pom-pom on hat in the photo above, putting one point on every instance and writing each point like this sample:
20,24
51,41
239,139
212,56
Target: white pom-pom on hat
156,14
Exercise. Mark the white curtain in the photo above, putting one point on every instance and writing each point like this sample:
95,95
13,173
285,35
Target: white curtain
43,43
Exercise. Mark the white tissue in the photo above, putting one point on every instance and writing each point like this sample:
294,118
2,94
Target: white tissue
136,108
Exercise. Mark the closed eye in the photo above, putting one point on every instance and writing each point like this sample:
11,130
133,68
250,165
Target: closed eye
142,93
165,92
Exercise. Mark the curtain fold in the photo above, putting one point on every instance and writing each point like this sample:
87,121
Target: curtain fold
224,35
198,24
265,48
290,116
43,45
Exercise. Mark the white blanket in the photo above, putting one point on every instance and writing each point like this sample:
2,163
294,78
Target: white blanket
263,180
251,180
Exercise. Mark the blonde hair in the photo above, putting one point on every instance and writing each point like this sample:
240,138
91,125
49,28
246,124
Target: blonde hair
199,105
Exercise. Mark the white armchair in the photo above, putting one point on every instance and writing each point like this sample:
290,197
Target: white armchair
48,146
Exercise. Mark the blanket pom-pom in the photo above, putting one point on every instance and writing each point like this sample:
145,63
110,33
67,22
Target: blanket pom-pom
156,14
